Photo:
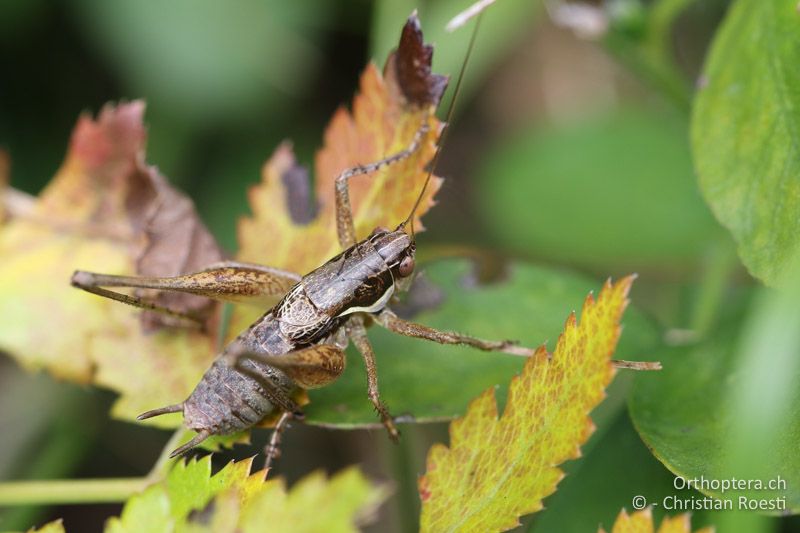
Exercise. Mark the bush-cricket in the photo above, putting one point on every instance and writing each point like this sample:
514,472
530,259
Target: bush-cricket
300,342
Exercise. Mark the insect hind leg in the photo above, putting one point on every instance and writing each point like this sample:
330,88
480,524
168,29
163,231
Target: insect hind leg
93,283
344,212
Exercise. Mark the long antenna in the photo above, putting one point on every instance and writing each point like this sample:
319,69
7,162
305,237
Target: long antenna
449,117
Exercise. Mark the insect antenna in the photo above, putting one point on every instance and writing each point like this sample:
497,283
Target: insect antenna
448,118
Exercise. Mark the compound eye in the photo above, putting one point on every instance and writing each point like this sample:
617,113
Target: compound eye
378,231
406,266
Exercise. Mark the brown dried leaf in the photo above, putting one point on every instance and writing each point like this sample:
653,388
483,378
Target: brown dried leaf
176,242
411,67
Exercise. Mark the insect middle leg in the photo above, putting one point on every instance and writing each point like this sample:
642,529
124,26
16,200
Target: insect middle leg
272,450
344,213
392,322
358,334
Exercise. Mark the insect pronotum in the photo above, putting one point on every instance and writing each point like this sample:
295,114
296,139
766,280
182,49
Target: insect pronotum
300,342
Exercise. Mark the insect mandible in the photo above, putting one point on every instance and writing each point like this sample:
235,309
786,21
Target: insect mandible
301,341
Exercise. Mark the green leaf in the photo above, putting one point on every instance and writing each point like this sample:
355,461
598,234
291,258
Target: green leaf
436,382
746,130
190,499
188,486
577,192
717,398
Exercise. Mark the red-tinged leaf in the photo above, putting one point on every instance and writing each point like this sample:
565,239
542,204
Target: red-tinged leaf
105,210
500,468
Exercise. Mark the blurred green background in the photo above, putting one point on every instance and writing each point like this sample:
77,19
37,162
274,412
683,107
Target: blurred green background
565,152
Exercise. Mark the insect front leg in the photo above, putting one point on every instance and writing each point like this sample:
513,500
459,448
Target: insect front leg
392,322
344,212
358,333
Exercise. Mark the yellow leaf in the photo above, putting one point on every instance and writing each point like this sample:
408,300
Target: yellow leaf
642,522
91,216
497,469
4,164
190,499
340,504
56,526
385,117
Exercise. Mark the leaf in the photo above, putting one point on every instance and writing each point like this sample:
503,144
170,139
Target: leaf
383,122
642,522
4,179
176,242
506,22
613,470
497,469
56,526
191,499
418,378
315,504
746,130
636,160
735,392
102,211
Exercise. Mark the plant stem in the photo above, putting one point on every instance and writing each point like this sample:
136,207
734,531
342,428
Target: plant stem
718,268
56,491
70,491
651,57
161,466
403,463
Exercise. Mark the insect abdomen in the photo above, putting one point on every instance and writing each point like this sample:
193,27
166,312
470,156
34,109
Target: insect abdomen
226,400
